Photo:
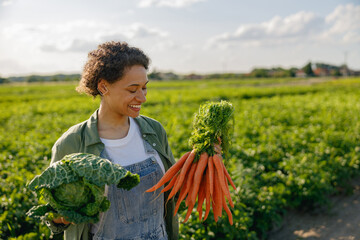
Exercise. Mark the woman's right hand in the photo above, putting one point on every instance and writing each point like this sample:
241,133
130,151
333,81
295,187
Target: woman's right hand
60,220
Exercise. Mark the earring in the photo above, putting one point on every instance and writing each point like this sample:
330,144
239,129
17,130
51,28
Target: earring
101,94
105,89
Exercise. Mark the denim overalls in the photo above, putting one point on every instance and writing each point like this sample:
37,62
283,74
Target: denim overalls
134,214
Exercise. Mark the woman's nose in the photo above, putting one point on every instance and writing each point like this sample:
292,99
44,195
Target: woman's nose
141,96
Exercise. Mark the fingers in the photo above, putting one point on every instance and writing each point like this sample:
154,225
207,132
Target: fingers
64,221
61,220
57,220
217,148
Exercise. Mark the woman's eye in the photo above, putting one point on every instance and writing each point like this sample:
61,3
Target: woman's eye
132,91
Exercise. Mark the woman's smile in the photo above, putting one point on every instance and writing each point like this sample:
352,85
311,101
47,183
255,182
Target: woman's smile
135,107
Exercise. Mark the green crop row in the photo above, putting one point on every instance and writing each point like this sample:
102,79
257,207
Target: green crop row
293,146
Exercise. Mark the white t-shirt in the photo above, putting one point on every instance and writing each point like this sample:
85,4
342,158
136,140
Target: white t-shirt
130,149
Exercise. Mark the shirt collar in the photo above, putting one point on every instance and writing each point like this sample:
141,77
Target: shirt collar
145,128
91,131
92,134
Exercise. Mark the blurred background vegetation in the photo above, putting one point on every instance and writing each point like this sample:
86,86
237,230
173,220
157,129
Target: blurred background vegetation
295,143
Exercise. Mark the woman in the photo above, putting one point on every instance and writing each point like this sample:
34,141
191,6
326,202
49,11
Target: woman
116,131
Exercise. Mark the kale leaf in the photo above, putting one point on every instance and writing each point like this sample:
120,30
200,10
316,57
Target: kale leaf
74,187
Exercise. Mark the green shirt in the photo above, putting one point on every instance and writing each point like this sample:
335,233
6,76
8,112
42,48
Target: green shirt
84,137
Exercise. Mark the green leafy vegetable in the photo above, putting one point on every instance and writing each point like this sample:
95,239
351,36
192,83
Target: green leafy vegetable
74,187
210,123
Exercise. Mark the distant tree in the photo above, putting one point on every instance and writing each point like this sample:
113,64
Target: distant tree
308,69
54,79
32,78
336,72
259,73
170,76
4,80
292,72
213,76
155,75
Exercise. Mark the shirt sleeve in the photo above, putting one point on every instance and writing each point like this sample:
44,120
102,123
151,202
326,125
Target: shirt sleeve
168,150
66,144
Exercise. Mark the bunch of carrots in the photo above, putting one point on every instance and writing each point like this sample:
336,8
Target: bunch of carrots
200,174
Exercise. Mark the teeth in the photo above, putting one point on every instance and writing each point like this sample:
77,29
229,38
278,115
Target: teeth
135,106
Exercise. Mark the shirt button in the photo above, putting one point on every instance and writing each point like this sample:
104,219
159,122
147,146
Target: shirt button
154,144
144,135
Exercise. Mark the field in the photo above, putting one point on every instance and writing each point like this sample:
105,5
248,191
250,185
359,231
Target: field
295,143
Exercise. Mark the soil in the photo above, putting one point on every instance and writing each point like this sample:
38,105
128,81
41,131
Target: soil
339,222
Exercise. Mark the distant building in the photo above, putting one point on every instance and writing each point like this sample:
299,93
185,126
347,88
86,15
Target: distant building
300,73
345,71
356,73
193,76
322,72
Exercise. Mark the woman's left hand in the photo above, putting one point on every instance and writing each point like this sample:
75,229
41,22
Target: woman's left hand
61,220
217,146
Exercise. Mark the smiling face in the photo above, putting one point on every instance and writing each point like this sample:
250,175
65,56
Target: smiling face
124,97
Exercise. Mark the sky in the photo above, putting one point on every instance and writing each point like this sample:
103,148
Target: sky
182,36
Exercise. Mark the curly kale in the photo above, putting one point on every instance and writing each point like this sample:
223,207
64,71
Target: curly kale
74,187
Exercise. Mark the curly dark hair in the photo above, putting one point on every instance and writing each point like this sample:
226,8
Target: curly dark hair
109,61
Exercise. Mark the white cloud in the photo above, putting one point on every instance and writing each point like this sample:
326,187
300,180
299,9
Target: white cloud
6,2
351,37
138,30
167,3
65,44
78,36
343,25
277,30
77,45
344,18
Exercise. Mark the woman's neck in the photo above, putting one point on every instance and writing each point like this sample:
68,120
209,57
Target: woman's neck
112,125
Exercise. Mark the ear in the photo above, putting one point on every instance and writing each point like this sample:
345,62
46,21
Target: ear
102,87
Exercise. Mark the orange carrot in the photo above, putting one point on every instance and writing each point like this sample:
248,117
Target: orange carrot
188,213
182,195
217,199
227,210
198,175
171,183
211,174
227,193
219,170
201,196
170,172
216,216
189,204
184,170
228,176
187,199
185,188
218,196
207,194
191,187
